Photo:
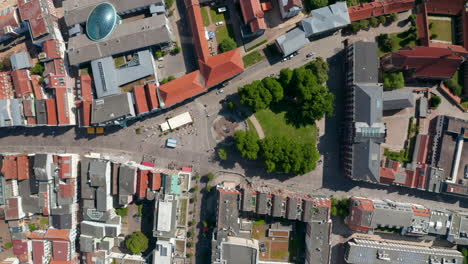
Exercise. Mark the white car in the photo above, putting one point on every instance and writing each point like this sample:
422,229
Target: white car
219,23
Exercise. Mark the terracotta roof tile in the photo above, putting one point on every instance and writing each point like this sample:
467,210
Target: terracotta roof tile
85,81
61,100
378,8
155,181
86,113
222,67
140,99
52,49
20,248
10,19
181,89
64,166
22,162
58,234
10,167
38,252
151,96
37,235
33,11
253,14
142,183
67,190
6,85
61,250
37,89
51,112
12,209
22,83
198,30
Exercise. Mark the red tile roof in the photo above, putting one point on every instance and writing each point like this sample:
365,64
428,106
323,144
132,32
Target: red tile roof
21,249
37,89
38,251
10,19
12,209
22,83
423,148
140,99
452,7
86,113
64,166
356,219
37,15
151,96
55,67
61,100
67,190
426,62
378,8
51,112
53,261
61,250
86,88
37,235
22,162
52,49
155,181
181,89
253,14
142,183
6,86
58,234
10,167
198,30
222,67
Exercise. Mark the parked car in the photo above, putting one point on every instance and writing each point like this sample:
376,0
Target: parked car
466,171
220,91
309,55
219,23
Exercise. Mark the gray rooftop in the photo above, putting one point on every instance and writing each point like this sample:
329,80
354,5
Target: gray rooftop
62,221
278,206
292,41
20,61
397,99
262,207
107,78
160,214
368,103
41,112
318,243
422,106
366,62
366,164
292,208
247,200
228,212
127,176
112,108
359,251
238,254
126,37
77,11
87,192
87,244
97,172
102,203
41,166
88,228
326,18
394,214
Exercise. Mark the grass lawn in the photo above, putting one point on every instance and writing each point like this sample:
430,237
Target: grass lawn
251,127
279,254
216,17
119,61
223,32
205,16
252,58
402,40
183,212
259,231
275,124
443,29
85,70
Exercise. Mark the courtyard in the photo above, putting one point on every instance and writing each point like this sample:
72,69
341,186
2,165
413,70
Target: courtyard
273,245
218,23
441,28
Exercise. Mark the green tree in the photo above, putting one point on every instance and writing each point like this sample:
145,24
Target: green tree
322,104
285,77
189,255
355,27
227,44
247,144
412,18
5,65
33,227
386,43
364,24
231,105
255,96
454,87
189,244
274,87
190,234
435,101
302,83
137,243
169,3
209,177
176,50
374,22
8,245
222,154
314,4
208,188
281,154
320,68
382,20
393,80
122,211
38,69
393,17
433,36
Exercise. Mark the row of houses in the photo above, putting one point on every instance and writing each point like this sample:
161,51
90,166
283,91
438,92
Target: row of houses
41,185
370,215
237,203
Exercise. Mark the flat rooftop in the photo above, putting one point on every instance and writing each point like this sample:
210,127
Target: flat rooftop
126,37
77,11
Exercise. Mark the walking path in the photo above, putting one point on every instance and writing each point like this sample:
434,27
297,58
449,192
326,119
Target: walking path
257,126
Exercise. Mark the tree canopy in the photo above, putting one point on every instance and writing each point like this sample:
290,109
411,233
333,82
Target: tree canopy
320,68
393,80
314,4
285,77
281,154
137,243
255,96
435,101
227,44
247,144
274,87
38,69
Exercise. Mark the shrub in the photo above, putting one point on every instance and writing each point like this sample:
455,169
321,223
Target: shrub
190,234
431,25
176,50
231,105
393,17
382,20
412,18
227,44
137,243
454,87
209,177
189,255
435,101
121,211
433,36
355,27
222,154
374,22
159,54
8,245
33,227
38,69
393,80
386,43
364,24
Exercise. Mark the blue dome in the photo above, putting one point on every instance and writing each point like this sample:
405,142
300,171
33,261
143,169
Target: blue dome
101,22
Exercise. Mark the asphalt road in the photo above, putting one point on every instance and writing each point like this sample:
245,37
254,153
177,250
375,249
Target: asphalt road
196,144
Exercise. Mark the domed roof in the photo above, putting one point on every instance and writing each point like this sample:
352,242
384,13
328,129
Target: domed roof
101,22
